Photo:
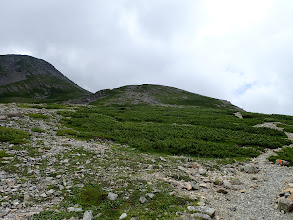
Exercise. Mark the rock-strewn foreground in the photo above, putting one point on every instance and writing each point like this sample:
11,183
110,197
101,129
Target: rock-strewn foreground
36,175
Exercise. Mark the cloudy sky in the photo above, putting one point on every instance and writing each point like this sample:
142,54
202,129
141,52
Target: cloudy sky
238,50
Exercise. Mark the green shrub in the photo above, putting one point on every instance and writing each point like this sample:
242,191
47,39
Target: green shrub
64,132
38,130
14,136
201,132
38,116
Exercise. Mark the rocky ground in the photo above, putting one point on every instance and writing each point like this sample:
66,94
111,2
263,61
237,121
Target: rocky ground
38,174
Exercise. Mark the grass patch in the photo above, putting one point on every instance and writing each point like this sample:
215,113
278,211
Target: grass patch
45,106
64,132
93,197
14,136
38,116
39,130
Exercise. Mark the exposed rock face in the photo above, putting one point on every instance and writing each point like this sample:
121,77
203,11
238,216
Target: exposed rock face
29,77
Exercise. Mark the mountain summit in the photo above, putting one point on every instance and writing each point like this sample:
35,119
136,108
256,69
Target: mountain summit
154,95
27,79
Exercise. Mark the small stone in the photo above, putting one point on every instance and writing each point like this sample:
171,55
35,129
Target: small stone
151,195
287,194
242,191
163,159
181,168
73,209
251,168
187,186
51,191
112,196
124,215
290,197
26,197
222,191
236,182
289,185
143,199
88,215
285,204
204,185
203,209
201,216
227,184
202,171
44,195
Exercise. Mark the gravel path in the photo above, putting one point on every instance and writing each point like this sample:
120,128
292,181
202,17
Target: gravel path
256,197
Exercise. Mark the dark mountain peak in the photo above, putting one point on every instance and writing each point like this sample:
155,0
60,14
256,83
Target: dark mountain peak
26,78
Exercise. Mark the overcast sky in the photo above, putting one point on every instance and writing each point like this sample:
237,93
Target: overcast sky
237,50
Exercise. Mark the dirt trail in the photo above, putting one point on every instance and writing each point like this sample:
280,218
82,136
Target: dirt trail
256,197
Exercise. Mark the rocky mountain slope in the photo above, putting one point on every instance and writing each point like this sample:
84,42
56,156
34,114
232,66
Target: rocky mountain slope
153,95
28,79
51,176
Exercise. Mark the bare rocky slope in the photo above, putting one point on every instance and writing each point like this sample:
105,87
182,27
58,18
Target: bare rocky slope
25,78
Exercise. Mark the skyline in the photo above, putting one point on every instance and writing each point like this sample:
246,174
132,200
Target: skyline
232,50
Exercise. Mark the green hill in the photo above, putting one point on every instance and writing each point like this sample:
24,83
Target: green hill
28,79
154,95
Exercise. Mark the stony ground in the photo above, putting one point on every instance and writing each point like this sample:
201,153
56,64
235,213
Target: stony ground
39,173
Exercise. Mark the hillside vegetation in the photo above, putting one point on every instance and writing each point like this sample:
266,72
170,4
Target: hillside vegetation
168,120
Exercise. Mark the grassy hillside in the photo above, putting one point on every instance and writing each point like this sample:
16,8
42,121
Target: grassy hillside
176,123
157,95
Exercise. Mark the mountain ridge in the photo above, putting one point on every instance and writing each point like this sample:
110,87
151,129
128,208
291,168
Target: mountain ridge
26,78
153,94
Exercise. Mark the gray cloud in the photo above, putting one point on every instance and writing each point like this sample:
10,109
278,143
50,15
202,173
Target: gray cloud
235,51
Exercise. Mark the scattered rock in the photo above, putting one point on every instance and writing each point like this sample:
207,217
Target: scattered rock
227,184
123,216
201,216
74,209
151,195
236,182
285,204
187,186
112,196
201,171
163,159
250,168
143,199
222,191
203,209
88,215
282,162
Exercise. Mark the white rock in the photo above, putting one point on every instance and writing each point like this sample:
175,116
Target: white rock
227,184
124,215
201,171
88,215
73,209
151,195
163,159
143,199
51,191
112,196
44,195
